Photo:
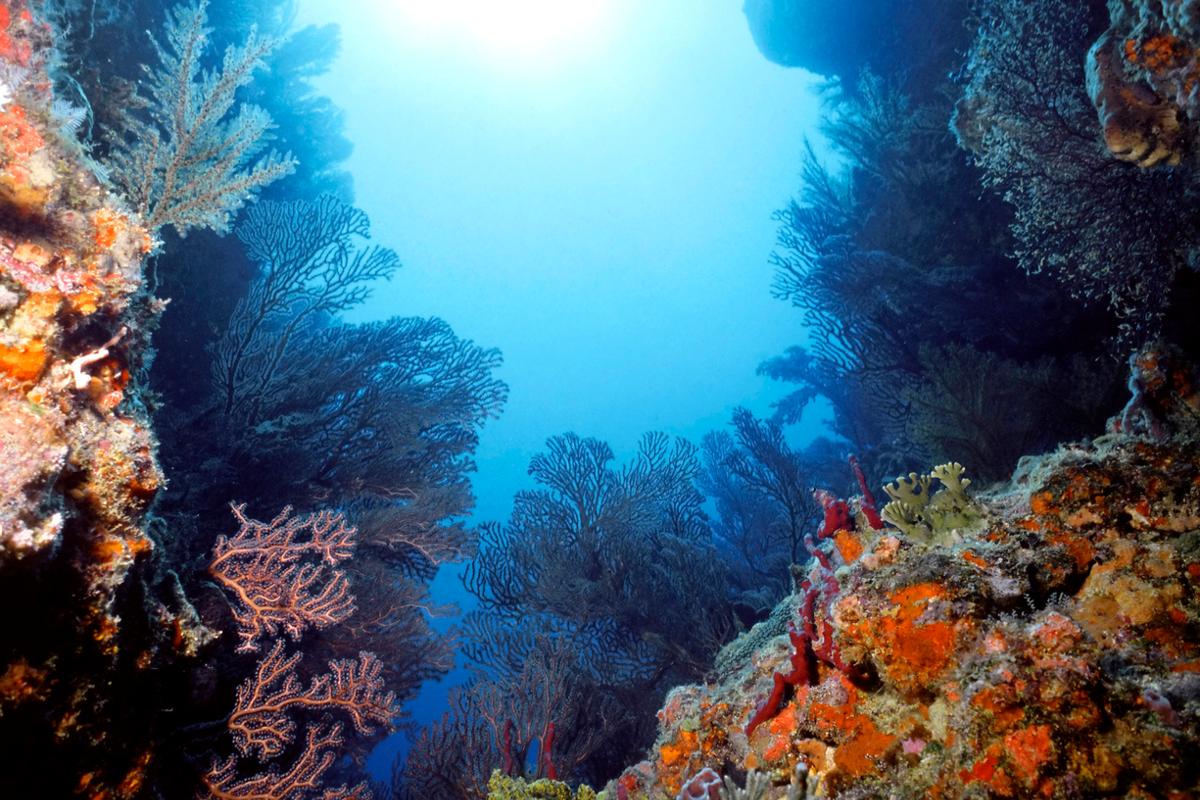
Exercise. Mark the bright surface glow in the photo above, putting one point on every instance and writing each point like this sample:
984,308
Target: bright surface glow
521,30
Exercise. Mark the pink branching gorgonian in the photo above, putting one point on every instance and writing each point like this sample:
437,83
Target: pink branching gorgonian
282,573
321,745
283,577
261,721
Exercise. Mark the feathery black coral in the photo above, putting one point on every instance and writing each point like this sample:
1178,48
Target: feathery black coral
180,152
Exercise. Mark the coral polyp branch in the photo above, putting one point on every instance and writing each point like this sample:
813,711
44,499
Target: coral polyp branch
268,568
320,748
261,722
179,153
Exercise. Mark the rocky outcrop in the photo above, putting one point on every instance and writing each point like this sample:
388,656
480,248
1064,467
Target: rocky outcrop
1046,644
1143,76
82,625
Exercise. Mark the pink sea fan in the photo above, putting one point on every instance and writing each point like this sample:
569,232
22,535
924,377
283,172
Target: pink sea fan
282,573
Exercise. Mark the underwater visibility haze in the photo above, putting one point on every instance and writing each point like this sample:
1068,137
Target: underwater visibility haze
643,399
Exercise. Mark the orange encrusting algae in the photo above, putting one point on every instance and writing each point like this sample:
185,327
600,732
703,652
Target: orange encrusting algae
982,667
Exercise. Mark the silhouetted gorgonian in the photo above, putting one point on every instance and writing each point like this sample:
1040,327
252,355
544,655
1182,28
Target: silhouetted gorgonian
856,306
451,759
302,409
1109,230
548,699
749,526
631,547
758,464
989,410
311,267
900,254
378,420
852,255
616,565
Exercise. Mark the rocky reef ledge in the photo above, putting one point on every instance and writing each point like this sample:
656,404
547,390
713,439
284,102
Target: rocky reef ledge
87,616
1038,640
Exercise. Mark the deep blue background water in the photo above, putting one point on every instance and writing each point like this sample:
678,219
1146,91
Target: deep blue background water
601,213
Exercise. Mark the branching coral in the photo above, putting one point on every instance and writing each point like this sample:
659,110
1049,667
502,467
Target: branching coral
317,754
177,154
926,513
276,591
261,722
378,420
546,709
759,784
989,410
301,408
901,267
281,573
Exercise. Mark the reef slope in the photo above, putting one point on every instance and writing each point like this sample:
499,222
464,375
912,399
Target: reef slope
1037,641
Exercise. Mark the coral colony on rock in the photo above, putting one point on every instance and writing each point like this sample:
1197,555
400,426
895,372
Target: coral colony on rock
222,504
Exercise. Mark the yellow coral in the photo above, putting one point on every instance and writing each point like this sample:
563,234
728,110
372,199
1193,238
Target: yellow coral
505,787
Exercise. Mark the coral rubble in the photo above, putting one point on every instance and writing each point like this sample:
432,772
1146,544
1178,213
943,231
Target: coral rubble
77,459
1043,644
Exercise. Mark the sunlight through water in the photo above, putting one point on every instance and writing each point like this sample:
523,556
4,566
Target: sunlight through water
531,32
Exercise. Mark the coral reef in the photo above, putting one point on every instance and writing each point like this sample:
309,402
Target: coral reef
1048,648
78,466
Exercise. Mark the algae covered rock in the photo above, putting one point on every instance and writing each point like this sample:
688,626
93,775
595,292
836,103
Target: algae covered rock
1142,77
90,619
1050,648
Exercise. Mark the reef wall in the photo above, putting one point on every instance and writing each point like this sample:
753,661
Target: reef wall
1040,640
81,630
